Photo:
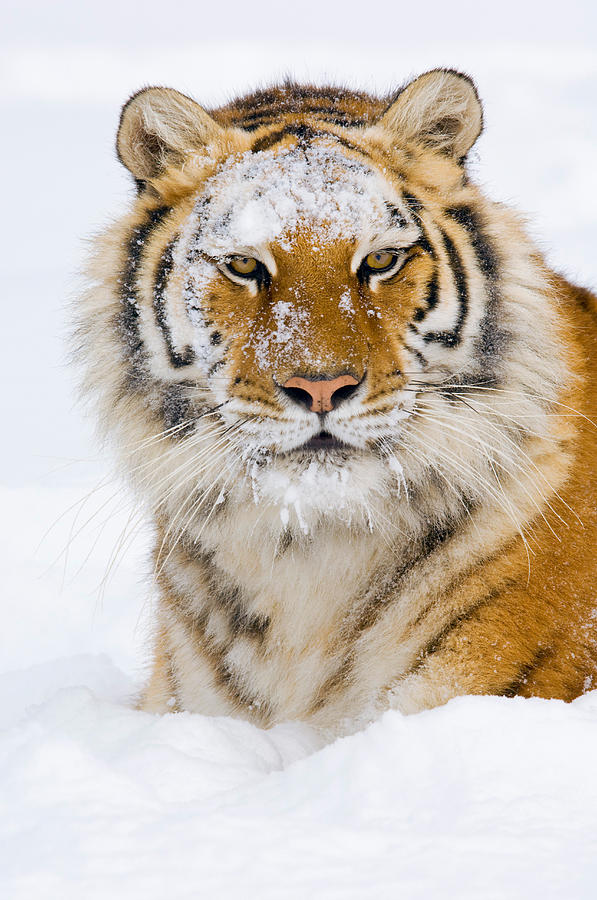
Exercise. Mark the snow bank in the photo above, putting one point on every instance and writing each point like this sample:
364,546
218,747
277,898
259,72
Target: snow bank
485,797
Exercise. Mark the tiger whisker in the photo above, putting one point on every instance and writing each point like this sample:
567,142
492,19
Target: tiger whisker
181,447
491,461
475,477
169,432
531,462
530,395
207,450
225,439
124,540
517,426
479,442
159,567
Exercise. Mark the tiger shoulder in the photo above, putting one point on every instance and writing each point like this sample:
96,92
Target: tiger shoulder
356,402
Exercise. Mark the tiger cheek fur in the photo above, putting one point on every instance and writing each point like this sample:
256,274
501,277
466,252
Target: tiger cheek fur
356,403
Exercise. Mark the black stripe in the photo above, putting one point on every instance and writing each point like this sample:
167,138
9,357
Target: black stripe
284,543
329,113
226,679
256,120
526,669
382,594
424,243
128,318
176,405
453,338
487,257
493,337
243,623
430,299
438,642
304,133
332,685
214,368
295,98
266,113
396,216
255,125
159,306
415,206
238,691
417,354
230,598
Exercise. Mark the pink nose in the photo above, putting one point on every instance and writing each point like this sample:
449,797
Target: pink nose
321,392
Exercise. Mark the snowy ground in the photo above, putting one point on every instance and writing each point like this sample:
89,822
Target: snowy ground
484,798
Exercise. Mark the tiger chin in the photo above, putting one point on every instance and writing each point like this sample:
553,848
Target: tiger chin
355,403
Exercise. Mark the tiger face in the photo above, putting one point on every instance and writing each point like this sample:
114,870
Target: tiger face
304,303
300,258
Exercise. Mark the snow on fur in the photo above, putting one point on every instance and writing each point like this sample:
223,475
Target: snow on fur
265,197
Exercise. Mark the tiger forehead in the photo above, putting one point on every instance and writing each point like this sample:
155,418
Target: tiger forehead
256,199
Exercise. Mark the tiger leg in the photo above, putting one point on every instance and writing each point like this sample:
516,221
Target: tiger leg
503,648
159,694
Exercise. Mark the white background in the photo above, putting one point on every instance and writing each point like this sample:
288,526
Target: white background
485,798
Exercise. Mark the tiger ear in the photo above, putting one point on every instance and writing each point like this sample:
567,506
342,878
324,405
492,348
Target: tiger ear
440,109
158,126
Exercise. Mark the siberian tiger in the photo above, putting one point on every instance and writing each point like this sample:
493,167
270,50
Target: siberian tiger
356,404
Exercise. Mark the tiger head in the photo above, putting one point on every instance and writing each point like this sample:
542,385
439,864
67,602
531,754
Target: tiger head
312,310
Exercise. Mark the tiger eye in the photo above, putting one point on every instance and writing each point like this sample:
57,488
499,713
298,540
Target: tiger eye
243,265
381,259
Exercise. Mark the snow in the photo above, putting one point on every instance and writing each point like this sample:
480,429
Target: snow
311,492
345,303
256,199
482,798
261,198
292,332
485,797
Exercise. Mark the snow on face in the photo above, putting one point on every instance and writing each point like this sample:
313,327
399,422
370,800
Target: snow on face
264,197
258,201
291,331
303,492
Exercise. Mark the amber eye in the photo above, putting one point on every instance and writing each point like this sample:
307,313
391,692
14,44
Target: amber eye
380,260
243,265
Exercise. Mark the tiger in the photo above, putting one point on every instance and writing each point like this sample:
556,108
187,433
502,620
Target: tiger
355,404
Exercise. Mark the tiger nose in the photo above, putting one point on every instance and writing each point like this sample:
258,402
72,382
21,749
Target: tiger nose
320,395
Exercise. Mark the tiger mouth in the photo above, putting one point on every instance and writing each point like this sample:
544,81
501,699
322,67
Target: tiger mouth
323,441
